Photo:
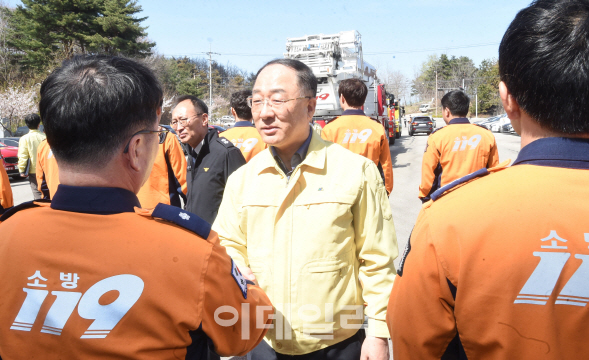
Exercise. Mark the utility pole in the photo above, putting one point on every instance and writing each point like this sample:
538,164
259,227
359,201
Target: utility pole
210,53
476,103
436,105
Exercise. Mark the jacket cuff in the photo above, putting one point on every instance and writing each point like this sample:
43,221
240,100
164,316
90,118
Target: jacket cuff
377,328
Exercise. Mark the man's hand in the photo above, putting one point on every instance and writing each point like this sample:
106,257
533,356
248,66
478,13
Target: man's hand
24,175
249,275
375,348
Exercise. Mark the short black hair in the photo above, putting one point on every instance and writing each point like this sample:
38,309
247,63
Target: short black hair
198,104
239,104
32,121
354,91
92,104
306,79
543,60
457,101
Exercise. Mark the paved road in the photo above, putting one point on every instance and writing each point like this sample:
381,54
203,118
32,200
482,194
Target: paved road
406,154
21,190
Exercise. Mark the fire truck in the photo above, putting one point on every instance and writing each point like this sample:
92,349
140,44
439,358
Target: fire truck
334,58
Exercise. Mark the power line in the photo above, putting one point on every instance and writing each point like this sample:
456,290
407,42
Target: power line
366,53
431,49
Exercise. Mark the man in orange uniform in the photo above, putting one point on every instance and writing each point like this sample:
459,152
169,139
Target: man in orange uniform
499,268
357,132
47,170
167,182
5,190
105,279
244,134
455,150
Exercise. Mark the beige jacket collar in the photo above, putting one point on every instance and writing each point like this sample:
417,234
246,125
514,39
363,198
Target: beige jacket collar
316,155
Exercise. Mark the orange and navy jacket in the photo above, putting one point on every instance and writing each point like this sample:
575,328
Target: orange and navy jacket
105,279
498,268
454,151
360,134
246,138
6,200
47,170
167,182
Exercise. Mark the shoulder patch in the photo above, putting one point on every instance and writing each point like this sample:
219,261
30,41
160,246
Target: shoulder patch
463,180
225,142
481,126
26,205
239,279
182,218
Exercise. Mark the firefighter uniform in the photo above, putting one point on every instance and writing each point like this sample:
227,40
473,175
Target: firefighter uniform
357,132
105,279
167,182
454,151
5,190
498,268
246,138
47,170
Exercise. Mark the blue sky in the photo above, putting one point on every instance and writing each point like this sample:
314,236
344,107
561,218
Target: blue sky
249,33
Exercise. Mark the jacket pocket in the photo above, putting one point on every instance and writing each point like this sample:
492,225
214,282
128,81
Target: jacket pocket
263,274
326,290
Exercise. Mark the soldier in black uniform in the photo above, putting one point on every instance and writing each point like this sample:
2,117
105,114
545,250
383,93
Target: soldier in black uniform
211,159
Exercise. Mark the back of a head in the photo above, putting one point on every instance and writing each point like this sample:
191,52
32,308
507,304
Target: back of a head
543,60
92,105
307,81
32,121
354,91
239,104
457,102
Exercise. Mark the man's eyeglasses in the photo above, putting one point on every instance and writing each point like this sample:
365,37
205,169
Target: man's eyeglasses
183,122
161,134
257,104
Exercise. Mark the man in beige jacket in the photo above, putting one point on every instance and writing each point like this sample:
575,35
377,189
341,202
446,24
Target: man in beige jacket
27,152
311,222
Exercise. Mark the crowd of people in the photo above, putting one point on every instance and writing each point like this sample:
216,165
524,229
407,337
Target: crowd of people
275,239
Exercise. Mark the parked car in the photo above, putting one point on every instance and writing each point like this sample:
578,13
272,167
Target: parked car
9,156
10,141
489,123
485,122
507,128
421,124
22,130
220,129
424,108
498,125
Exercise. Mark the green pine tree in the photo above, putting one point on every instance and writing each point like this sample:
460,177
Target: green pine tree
44,32
119,31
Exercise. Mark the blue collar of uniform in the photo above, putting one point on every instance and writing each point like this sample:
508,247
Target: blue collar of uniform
459,121
94,200
557,152
243,124
353,112
301,152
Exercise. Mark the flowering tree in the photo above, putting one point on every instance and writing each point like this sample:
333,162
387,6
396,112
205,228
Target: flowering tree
219,107
15,104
